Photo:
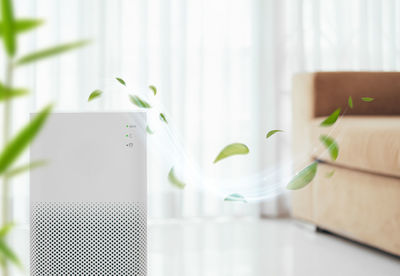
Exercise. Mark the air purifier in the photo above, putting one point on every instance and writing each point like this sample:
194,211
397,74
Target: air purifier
88,203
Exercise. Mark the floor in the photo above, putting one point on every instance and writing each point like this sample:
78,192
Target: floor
256,248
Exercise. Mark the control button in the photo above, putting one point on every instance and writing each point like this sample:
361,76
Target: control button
129,145
130,135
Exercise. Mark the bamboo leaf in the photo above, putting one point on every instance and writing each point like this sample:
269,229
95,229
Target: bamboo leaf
174,180
235,198
9,34
304,177
9,254
148,130
24,25
163,118
330,174
367,99
331,118
272,132
95,94
52,51
154,89
232,149
24,168
21,141
331,145
139,102
121,81
350,102
7,93
5,229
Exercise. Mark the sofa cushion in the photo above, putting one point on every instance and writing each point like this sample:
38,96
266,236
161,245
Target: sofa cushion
365,143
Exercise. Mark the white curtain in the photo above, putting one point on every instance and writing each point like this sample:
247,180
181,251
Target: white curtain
223,71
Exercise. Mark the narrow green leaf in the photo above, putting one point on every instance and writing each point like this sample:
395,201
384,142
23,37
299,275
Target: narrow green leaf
163,118
17,145
121,81
148,130
232,149
24,25
9,33
154,89
350,102
49,52
5,229
9,254
330,174
95,94
331,145
174,180
304,177
235,198
24,168
6,93
331,119
367,99
139,102
272,132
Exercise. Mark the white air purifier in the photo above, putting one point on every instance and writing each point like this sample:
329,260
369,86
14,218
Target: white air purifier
88,203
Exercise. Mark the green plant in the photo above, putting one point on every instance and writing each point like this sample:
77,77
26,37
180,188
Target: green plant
10,29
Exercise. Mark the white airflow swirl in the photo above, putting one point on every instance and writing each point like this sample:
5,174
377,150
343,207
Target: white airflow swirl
88,239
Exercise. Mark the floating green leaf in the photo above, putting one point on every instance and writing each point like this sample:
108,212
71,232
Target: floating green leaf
174,180
304,177
148,130
272,132
17,145
7,93
235,198
139,102
154,89
95,94
24,25
350,102
121,81
330,174
163,118
9,33
331,145
367,99
232,149
24,168
49,52
5,229
9,254
331,119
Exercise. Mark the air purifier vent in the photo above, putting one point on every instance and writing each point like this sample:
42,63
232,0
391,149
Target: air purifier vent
94,238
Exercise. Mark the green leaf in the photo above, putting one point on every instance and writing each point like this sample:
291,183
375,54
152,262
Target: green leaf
367,99
9,254
95,94
154,89
139,102
232,149
24,25
272,132
121,81
330,174
350,102
331,145
6,93
52,51
21,141
235,198
9,34
148,130
331,119
163,118
5,229
174,180
304,177
24,168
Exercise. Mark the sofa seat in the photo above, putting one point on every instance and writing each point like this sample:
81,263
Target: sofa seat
366,143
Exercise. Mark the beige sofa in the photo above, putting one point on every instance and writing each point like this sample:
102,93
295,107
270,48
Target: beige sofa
361,201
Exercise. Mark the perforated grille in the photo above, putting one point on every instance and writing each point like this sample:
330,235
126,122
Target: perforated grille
88,239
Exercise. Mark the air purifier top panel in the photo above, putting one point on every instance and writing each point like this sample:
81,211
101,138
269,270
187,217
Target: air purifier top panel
91,157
